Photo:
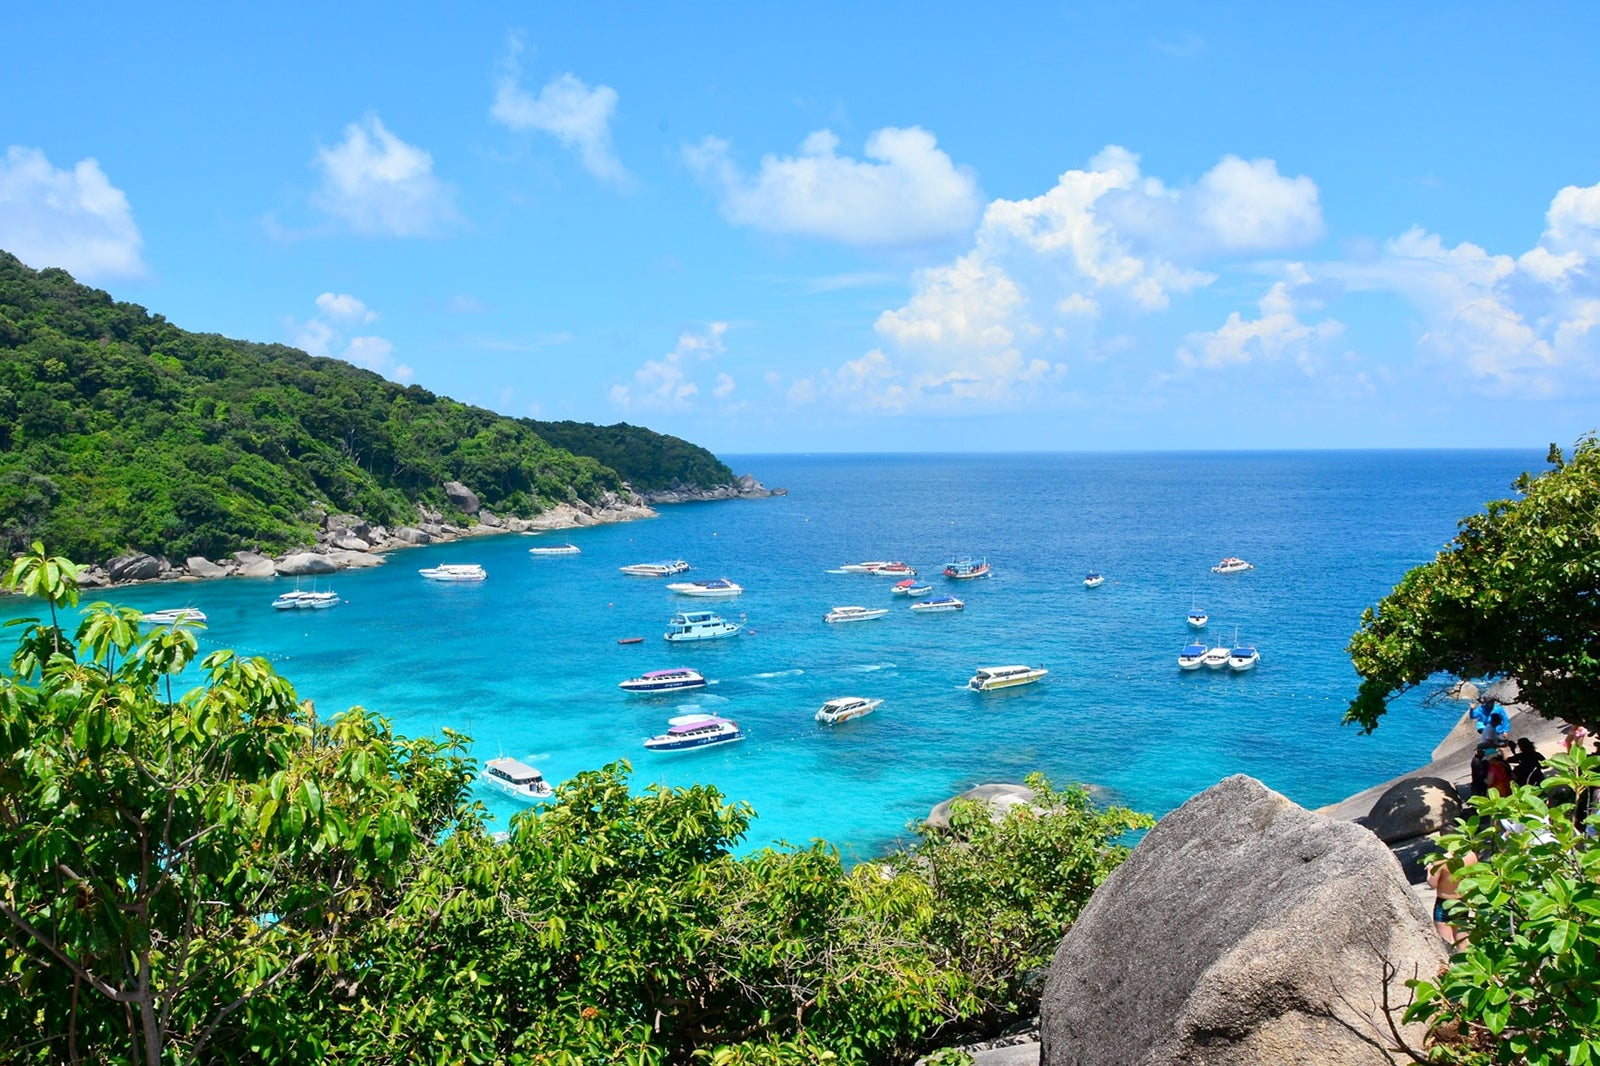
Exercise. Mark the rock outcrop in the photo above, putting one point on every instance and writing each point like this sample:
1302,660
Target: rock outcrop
303,564
746,488
999,798
1242,930
136,566
253,564
200,566
1413,807
462,498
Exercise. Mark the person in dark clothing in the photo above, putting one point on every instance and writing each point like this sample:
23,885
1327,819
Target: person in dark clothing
1480,772
1527,765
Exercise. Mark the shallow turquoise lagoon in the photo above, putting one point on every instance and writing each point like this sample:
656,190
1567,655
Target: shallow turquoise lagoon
528,662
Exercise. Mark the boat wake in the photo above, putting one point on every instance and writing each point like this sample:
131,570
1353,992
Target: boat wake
869,668
796,672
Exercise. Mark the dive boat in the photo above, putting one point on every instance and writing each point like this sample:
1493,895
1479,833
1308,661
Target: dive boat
1094,581
993,677
517,780
938,603
845,708
1231,565
555,549
455,572
1216,658
699,625
1243,657
306,601
176,616
909,587
893,570
1192,657
662,569
854,614
962,569
291,601
694,731
664,681
720,589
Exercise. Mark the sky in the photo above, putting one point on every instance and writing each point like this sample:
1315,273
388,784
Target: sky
839,227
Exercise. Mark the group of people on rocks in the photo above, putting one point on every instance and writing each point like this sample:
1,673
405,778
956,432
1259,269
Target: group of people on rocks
1498,764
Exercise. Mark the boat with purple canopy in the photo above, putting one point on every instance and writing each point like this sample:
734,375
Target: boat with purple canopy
664,681
694,731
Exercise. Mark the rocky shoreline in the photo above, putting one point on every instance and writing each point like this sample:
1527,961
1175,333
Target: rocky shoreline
346,541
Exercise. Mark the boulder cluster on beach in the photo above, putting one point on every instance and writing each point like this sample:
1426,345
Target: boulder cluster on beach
346,541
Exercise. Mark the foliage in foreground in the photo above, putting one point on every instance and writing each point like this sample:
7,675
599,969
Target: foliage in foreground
1517,594
217,875
1525,988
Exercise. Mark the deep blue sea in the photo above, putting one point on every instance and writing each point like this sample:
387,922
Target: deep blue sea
528,662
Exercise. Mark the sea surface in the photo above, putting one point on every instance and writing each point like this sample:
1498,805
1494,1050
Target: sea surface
528,662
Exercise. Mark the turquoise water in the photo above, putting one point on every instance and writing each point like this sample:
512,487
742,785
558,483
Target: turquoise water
528,661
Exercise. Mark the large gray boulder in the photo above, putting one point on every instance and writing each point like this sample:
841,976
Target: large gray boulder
254,564
200,566
999,798
409,535
465,500
353,560
135,566
301,564
1242,930
1413,807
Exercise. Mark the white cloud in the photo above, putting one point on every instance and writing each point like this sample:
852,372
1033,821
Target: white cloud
378,184
1277,333
1249,206
327,334
906,189
566,108
669,383
73,219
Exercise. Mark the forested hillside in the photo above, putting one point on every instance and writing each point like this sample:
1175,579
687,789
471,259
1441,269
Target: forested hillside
119,430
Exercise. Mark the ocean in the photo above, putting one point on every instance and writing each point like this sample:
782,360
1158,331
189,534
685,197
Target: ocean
527,663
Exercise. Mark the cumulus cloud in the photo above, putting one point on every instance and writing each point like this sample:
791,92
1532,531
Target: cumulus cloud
904,191
1276,333
73,219
566,108
379,185
669,383
328,333
1105,245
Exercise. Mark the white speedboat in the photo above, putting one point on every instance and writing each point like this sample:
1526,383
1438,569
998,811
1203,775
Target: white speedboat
694,731
699,625
663,569
1243,657
893,570
937,604
555,549
1231,565
995,677
1192,657
864,568
664,681
176,616
306,601
965,569
1094,581
1198,618
720,589
854,614
1216,658
909,587
455,572
291,601
517,780
845,708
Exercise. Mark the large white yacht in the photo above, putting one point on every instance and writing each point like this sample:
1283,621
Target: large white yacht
517,780
699,625
455,572
720,589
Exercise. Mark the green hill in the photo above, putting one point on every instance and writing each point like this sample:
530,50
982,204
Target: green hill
119,430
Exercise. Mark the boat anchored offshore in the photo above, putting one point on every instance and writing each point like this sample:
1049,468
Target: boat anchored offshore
694,731
699,625
909,587
1198,618
965,569
1231,565
1243,657
176,616
990,678
845,708
455,572
306,601
720,589
865,568
937,604
555,549
1216,658
1094,581
854,614
1192,657
893,570
517,780
670,568
664,681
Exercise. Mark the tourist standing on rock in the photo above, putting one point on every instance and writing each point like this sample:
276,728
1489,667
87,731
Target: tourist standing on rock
1480,771
1497,775
1445,888
1575,736
1527,765
1492,721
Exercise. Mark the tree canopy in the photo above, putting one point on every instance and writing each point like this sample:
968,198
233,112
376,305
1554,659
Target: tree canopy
1515,594
118,430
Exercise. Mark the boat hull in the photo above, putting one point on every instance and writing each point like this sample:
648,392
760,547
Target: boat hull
728,629
663,686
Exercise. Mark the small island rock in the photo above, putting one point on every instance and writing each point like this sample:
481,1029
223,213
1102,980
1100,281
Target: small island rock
1242,931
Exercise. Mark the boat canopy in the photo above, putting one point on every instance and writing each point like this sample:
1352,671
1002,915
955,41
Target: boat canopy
667,673
513,770
1195,649
697,726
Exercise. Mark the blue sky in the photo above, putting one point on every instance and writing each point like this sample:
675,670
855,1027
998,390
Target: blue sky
822,228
